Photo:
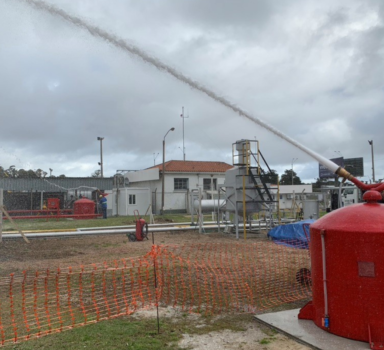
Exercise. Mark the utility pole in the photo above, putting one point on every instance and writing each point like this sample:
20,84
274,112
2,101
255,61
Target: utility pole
293,160
163,173
182,116
154,158
101,155
373,161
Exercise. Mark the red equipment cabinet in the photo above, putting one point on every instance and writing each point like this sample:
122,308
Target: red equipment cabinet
53,203
348,299
84,206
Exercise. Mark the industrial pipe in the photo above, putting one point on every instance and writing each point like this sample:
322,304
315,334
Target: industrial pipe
209,204
347,176
108,232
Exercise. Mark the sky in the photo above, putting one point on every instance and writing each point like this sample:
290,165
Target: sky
312,69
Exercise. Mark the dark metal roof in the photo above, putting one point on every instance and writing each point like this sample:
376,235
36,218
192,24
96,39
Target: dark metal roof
56,184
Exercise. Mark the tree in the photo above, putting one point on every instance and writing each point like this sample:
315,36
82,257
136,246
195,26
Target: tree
96,173
11,172
39,173
286,178
270,177
22,173
319,182
31,174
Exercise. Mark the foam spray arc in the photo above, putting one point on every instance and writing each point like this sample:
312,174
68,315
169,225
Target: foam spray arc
120,43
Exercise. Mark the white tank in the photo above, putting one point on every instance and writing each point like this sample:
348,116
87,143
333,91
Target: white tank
234,191
311,209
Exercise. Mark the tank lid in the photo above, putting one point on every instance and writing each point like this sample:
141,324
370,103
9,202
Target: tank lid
84,200
372,196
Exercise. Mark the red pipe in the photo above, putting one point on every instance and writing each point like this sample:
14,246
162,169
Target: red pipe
346,175
376,187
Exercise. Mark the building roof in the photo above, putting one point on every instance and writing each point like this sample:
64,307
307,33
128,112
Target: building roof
192,166
56,184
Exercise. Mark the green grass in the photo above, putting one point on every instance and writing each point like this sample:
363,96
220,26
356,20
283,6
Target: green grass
114,334
134,334
52,224
68,224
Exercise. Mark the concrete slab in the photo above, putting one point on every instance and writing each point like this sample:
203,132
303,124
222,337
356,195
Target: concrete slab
306,332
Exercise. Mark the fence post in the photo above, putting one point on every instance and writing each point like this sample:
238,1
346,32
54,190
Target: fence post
1,214
200,213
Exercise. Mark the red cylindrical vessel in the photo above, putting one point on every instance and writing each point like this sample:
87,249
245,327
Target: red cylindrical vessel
347,257
84,206
140,229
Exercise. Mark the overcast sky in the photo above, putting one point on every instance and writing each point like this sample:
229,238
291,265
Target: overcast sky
312,69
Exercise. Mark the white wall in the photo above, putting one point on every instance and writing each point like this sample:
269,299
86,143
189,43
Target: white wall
143,200
143,175
173,199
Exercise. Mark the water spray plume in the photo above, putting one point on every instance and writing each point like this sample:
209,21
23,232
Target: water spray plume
120,43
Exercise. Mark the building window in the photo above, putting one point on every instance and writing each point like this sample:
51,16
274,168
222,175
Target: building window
132,199
180,184
207,184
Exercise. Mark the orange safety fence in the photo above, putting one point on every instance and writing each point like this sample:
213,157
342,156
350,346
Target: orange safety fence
209,278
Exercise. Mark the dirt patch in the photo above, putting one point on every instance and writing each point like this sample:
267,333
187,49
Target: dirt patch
245,333
250,339
16,255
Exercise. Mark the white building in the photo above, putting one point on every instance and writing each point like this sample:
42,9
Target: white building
181,177
294,193
127,200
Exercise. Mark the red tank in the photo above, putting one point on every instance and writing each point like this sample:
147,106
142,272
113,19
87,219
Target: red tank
347,258
84,206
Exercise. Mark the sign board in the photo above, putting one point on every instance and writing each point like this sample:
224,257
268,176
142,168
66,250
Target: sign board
355,166
325,173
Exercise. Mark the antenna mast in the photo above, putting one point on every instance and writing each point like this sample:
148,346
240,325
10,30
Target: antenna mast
182,116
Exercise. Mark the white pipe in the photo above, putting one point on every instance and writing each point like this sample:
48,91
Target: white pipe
210,204
340,199
133,226
106,232
324,274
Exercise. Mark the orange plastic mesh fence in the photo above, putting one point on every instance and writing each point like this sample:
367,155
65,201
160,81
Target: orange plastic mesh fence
208,278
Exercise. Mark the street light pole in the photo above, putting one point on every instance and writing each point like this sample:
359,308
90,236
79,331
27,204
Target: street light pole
293,159
101,155
373,161
163,175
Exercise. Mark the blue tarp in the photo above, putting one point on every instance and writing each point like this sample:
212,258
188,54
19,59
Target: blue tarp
291,235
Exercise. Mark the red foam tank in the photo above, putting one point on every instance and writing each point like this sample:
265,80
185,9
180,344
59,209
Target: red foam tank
84,206
348,300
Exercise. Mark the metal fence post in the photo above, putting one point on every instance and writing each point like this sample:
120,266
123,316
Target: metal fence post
1,214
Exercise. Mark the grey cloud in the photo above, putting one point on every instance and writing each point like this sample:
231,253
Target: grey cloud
61,88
